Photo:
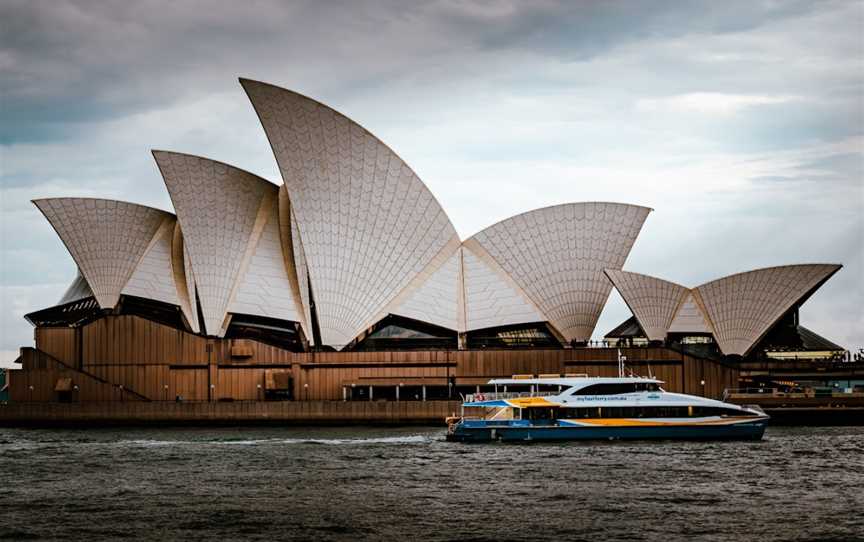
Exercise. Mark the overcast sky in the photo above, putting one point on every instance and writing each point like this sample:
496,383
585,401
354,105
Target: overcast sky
740,123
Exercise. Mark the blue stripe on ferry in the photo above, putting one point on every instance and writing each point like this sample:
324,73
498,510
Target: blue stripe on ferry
488,404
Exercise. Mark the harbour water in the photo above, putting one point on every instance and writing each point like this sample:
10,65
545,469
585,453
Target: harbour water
408,484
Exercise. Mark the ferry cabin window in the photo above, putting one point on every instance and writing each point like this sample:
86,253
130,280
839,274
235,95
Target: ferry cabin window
541,414
526,388
625,412
617,389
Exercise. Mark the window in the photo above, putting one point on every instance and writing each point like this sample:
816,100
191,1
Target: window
617,389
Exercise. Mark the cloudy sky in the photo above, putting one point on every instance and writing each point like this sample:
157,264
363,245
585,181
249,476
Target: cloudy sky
740,123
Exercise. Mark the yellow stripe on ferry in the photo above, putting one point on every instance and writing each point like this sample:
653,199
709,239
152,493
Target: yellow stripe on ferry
525,402
624,422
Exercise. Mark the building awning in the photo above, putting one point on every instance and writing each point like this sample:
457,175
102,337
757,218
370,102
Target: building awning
63,384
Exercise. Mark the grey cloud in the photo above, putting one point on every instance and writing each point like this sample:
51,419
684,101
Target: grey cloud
580,30
71,62
500,106
792,179
843,167
851,163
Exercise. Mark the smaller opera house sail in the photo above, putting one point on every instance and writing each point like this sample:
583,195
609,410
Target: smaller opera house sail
737,312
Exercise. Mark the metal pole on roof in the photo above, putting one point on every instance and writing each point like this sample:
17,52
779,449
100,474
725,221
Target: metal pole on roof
620,364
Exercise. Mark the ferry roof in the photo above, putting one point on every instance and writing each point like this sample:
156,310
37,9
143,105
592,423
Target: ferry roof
575,381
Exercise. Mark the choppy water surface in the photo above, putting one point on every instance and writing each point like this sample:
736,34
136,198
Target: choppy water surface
408,484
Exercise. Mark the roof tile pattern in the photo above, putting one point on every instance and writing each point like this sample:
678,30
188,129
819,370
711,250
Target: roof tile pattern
743,307
79,289
195,321
557,256
491,298
653,301
265,288
302,273
217,206
183,281
295,261
153,278
436,298
368,225
106,239
689,318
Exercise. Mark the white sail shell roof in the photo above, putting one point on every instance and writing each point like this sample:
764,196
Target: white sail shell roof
183,279
223,213
743,307
653,301
106,238
153,276
367,223
79,289
737,310
557,256
434,297
295,260
354,230
492,298
689,318
265,288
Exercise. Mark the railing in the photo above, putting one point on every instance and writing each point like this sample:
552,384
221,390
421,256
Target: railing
610,344
798,393
728,392
493,396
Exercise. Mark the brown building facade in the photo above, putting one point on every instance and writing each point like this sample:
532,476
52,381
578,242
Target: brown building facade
130,358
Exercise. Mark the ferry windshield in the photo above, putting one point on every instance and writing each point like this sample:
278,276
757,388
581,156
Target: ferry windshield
616,388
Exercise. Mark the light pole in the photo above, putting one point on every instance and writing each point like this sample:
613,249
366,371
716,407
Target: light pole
306,391
259,392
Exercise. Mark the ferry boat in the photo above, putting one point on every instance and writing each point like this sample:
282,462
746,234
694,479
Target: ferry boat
582,407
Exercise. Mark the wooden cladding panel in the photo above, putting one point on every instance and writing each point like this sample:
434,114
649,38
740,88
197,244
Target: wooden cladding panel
241,384
59,342
147,380
44,378
146,356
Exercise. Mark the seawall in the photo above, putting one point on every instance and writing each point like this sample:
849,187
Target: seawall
227,413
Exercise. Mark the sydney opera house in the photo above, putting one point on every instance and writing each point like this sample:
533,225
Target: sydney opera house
348,282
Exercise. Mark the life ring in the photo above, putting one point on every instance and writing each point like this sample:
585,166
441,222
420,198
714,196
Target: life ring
479,397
